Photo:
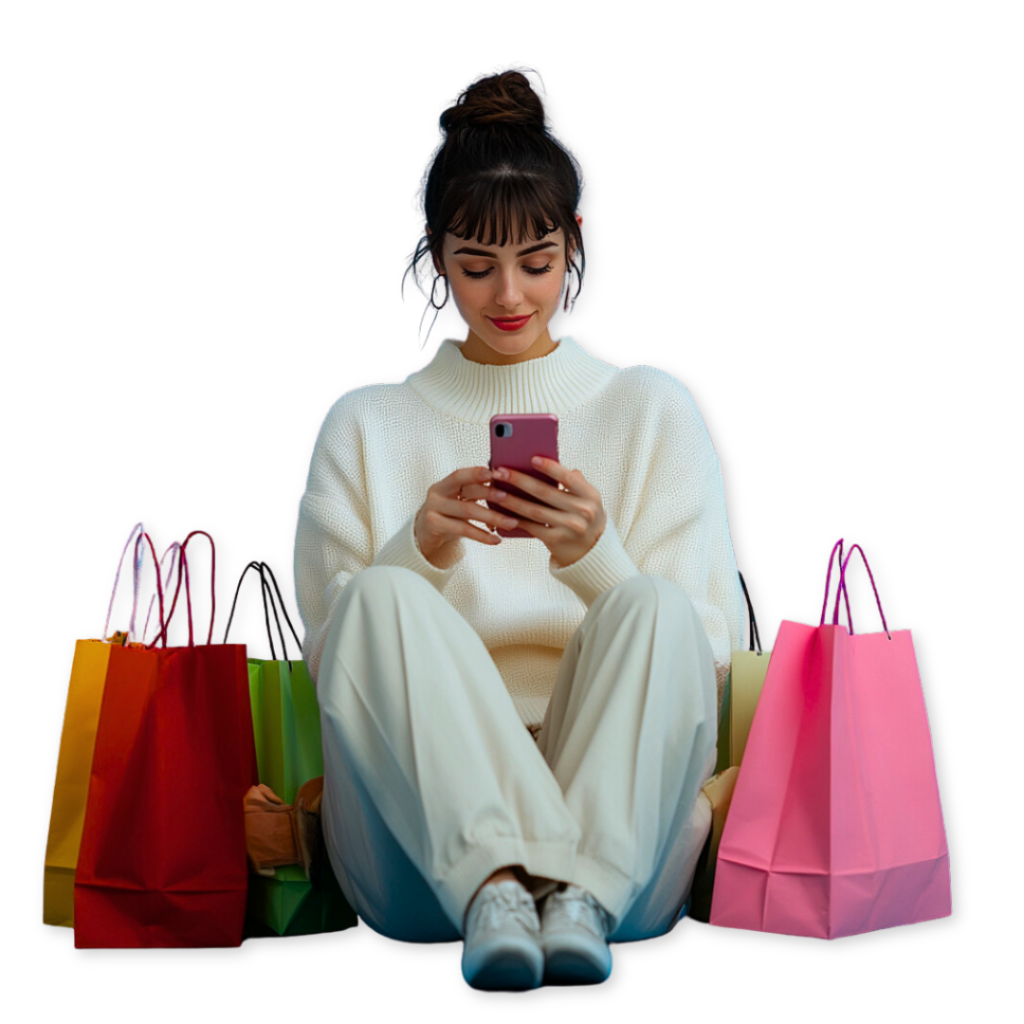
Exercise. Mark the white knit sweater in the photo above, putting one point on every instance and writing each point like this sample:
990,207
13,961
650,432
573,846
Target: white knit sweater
634,433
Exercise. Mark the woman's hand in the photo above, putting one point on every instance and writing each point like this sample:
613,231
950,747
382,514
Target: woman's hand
576,520
451,503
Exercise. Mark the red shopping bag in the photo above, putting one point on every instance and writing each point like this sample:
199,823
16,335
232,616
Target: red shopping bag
162,859
835,826
78,736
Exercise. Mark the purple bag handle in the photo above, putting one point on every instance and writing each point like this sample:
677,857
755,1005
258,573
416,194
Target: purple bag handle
136,572
183,574
842,583
841,590
160,594
172,549
159,590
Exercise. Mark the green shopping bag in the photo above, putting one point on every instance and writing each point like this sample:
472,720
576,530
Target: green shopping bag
286,722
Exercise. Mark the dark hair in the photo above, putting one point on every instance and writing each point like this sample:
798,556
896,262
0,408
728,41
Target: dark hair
499,165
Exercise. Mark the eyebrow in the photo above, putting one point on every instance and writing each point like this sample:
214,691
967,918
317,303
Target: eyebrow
483,252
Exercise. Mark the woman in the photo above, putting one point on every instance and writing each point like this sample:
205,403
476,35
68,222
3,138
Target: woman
528,726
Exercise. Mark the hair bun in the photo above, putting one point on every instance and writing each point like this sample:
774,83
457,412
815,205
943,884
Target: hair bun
497,101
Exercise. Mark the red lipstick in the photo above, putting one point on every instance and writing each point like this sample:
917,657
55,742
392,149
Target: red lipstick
510,323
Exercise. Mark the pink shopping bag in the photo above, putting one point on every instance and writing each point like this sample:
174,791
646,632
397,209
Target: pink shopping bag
835,826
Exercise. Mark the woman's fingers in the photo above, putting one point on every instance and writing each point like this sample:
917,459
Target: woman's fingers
470,510
463,478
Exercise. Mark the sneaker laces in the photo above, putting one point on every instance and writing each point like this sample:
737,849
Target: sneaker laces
498,900
578,906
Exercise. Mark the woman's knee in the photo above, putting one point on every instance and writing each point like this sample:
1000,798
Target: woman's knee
376,589
671,594
653,593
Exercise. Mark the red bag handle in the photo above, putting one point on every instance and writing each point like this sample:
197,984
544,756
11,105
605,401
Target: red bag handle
138,556
183,566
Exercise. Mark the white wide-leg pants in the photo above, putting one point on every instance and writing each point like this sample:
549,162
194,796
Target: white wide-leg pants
432,781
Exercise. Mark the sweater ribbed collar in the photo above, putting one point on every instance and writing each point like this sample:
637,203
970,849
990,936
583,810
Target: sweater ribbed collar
558,382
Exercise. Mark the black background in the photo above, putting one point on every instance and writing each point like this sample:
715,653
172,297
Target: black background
227,241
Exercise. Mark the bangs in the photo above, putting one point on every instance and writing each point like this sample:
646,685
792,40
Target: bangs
501,203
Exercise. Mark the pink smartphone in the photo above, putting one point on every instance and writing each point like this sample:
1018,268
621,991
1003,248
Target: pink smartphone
515,439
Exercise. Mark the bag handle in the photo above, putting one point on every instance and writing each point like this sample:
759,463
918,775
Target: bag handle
841,590
173,548
183,566
136,573
262,568
284,612
160,592
752,625
842,583
256,563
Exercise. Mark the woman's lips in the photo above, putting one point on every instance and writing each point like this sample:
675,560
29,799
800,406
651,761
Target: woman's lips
510,324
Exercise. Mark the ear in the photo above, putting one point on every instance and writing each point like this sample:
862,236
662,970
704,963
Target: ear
572,250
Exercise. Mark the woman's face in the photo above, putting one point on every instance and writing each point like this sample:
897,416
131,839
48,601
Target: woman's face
499,282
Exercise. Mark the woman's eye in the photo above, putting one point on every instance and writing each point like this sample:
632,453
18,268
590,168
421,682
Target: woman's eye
476,274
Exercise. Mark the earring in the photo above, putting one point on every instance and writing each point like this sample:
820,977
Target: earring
436,279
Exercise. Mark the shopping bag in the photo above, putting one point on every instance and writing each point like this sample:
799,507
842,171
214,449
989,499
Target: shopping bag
74,759
162,858
743,686
286,723
835,826
747,678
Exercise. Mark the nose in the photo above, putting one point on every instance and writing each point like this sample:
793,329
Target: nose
509,294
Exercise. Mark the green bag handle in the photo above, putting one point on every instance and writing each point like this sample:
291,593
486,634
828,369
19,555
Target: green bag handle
262,568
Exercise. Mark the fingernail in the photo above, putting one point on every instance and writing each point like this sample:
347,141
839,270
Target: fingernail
500,494
506,521
501,474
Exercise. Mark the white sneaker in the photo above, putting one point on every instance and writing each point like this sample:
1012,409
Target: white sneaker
574,936
502,939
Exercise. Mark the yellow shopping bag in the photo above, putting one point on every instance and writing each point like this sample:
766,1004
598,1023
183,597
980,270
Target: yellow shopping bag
748,672
74,764
742,692
74,761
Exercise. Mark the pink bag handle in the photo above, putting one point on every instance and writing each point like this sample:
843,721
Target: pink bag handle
842,583
172,549
841,590
183,565
136,572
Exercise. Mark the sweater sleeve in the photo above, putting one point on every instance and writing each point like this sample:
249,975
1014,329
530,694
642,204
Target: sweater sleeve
334,539
680,532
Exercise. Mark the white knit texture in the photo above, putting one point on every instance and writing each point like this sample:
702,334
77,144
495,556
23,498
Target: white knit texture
634,433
